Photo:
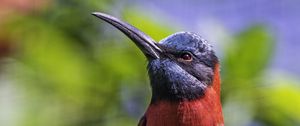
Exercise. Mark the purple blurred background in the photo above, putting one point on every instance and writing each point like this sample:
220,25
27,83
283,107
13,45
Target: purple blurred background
281,16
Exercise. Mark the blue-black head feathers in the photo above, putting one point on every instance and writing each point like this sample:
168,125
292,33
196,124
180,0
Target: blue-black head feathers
175,79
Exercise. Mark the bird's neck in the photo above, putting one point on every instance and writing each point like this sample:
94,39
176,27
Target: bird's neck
204,111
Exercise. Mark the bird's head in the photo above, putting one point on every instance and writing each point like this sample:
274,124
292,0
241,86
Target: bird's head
184,69
180,66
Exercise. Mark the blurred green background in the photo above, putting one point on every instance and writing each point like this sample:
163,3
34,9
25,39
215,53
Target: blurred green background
60,66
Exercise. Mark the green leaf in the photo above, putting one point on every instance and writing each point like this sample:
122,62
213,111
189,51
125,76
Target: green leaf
249,54
246,59
280,102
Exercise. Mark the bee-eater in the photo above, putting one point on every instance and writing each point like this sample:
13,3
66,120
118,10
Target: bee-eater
184,77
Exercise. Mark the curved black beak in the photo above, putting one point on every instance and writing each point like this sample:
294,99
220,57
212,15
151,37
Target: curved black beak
145,43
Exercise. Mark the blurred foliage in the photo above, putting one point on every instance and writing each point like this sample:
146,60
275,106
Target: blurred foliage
248,96
64,67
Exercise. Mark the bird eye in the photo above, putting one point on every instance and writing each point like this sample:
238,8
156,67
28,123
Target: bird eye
186,56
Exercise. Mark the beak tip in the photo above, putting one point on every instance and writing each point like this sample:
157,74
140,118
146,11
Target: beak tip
101,15
95,13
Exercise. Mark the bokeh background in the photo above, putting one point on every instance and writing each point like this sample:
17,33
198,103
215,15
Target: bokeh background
60,66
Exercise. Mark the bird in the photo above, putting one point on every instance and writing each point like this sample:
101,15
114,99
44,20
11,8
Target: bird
184,74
